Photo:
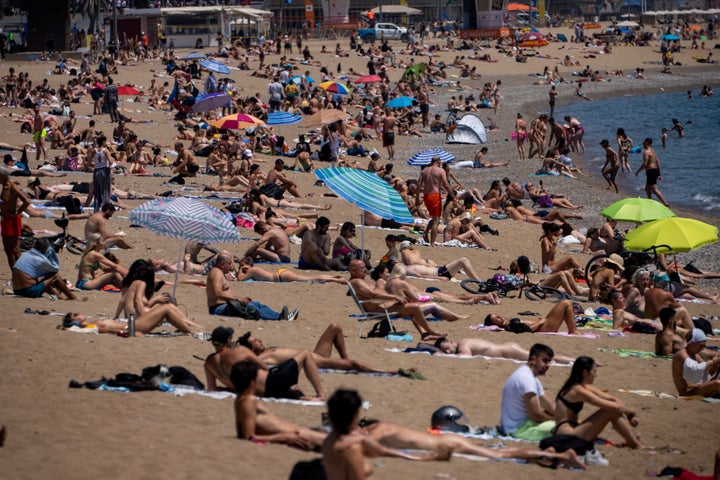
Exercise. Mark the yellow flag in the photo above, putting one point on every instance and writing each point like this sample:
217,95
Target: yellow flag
403,3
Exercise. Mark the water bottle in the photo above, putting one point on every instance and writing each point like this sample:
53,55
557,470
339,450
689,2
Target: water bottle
131,325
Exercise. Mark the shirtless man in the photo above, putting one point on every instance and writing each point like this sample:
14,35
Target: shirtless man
432,180
657,298
478,346
692,375
331,337
514,191
462,228
276,382
375,299
389,123
538,129
38,125
424,103
255,422
185,164
651,165
220,299
97,224
426,268
12,204
667,340
316,247
273,245
607,276
276,176
611,166
561,313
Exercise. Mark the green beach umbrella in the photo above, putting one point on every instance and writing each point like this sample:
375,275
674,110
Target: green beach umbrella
637,210
680,234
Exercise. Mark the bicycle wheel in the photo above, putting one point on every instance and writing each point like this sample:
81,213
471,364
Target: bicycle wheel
536,292
477,286
593,263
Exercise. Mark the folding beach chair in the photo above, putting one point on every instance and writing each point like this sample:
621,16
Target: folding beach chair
383,316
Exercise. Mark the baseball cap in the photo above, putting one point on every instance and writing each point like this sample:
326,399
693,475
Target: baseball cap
221,335
697,336
248,152
405,244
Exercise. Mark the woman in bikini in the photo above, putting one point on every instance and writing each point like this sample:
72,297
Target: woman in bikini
520,135
344,248
625,144
548,248
95,270
248,271
139,299
577,391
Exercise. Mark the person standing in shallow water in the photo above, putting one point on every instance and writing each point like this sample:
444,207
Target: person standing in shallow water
651,165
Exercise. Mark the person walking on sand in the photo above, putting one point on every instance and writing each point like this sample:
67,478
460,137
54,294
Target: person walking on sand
552,94
520,135
388,137
432,180
651,165
612,165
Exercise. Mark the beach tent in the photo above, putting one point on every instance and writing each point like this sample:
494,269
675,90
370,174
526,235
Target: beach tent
469,129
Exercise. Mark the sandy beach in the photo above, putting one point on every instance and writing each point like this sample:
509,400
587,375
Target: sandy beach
58,432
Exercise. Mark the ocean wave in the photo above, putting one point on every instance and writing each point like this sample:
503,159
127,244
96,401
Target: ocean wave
708,202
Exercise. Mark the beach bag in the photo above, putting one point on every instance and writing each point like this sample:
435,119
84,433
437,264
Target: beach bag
562,443
71,204
243,311
273,190
517,326
310,470
380,330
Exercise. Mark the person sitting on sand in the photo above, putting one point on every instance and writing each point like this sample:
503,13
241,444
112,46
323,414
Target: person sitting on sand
548,246
36,272
95,270
526,412
462,229
426,268
561,313
138,298
667,340
272,246
692,375
606,277
316,246
279,381
221,301
485,348
332,337
579,390
621,317
97,223
376,299
563,280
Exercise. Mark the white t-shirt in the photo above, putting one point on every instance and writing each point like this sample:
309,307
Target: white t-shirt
694,372
512,410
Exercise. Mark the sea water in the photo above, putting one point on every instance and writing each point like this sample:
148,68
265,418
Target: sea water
690,165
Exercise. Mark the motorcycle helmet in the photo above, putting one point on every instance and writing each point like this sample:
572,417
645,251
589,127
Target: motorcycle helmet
451,419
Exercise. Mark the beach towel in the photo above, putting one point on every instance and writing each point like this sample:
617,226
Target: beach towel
633,353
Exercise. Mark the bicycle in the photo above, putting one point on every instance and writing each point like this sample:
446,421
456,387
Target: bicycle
63,240
531,290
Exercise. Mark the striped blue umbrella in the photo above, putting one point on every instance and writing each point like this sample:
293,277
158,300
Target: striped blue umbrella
215,66
424,157
280,117
187,219
368,191
400,102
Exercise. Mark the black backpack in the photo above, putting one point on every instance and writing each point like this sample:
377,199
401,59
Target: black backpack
517,326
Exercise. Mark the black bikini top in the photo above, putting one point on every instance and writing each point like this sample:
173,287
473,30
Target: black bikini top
574,407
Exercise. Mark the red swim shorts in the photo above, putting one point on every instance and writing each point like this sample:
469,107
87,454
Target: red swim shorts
433,203
11,226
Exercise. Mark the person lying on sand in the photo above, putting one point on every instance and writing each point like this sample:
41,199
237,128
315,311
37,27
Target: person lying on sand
279,381
478,346
331,338
561,313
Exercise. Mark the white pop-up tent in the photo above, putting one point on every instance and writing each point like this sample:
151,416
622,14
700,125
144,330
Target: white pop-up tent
469,129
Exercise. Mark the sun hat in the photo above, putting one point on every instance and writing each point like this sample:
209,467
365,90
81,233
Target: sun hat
616,260
405,244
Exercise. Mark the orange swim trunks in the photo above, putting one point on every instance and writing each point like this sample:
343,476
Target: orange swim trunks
433,203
